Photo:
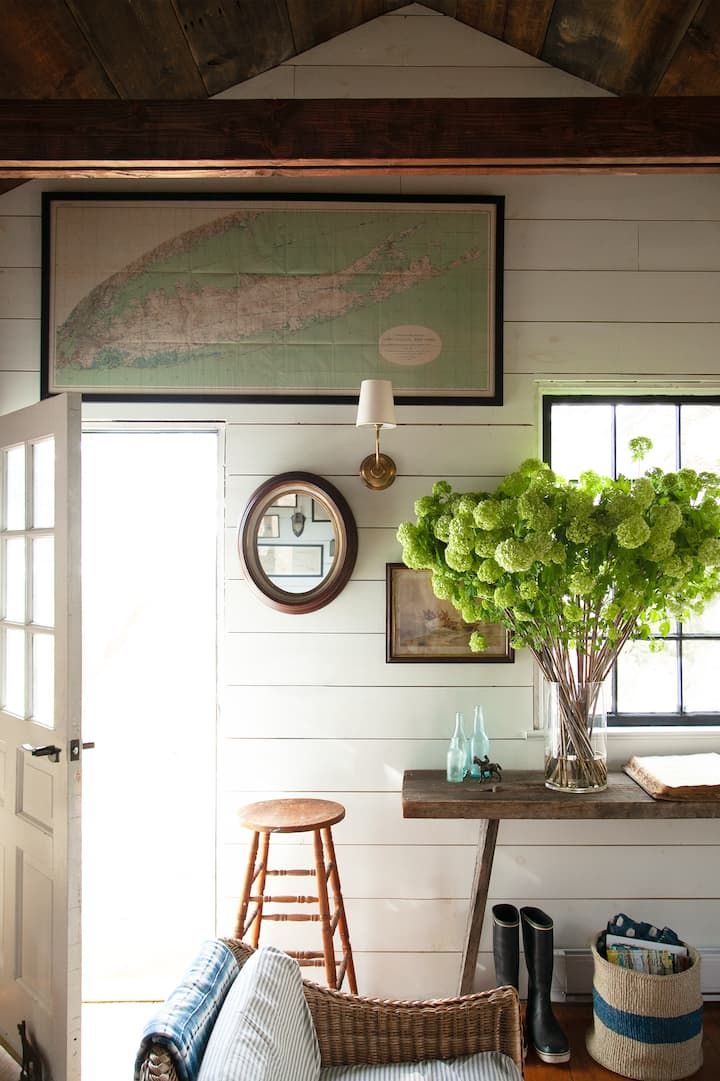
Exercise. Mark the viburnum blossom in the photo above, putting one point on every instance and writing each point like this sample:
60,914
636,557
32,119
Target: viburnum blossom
573,569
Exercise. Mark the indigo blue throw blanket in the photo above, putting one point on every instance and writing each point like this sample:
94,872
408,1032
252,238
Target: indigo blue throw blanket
183,1022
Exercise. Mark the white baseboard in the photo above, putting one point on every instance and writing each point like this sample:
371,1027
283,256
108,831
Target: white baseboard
573,974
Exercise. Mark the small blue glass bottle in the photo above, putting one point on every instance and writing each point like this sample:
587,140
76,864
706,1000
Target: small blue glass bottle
478,744
457,752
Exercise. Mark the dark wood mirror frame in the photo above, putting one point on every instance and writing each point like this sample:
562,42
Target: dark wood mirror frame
346,542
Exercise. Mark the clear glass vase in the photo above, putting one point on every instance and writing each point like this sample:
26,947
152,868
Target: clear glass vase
575,737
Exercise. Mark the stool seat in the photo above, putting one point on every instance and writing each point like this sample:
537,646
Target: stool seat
291,815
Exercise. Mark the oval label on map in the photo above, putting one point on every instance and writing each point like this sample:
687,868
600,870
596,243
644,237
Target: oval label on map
410,345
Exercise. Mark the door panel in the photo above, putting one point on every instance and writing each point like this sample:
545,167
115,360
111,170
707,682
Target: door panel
40,706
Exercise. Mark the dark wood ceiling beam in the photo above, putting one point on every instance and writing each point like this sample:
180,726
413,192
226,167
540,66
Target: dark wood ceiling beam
232,41
141,47
623,47
315,21
44,54
695,67
198,138
521,25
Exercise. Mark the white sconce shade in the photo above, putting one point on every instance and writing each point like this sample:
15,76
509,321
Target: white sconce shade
376,409
376,406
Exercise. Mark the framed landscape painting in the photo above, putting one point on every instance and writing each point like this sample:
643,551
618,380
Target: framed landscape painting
422,628
259,298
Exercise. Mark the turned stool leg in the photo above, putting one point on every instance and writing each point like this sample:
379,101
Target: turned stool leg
260,894
348,963
240,927
324,906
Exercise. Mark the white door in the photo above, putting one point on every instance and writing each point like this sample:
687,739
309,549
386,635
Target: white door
40,709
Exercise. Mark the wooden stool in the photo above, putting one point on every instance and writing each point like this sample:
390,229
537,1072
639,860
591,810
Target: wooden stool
298,816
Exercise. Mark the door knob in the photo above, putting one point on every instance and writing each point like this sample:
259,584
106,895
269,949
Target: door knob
51,751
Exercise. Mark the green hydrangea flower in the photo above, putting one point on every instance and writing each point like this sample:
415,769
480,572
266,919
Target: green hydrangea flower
666,519
639,447
458,559
709,552
529,590
581,582
489,571
441,586
505,596
513,555
441,488
441,528
487,515
632,532
424,505
581,530
466,505
643,492
478,642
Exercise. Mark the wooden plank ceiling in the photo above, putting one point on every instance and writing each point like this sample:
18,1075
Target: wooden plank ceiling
161,49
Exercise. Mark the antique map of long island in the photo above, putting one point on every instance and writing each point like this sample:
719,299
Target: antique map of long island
260,297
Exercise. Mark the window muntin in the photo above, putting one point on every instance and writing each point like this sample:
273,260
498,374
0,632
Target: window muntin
678,684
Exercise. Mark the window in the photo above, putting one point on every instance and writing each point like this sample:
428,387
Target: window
678,684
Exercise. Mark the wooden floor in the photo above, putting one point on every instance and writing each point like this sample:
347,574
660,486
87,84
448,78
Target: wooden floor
576,1020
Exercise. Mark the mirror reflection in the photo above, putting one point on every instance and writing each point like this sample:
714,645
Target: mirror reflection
296,541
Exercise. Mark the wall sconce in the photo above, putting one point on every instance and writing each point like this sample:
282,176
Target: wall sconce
376,408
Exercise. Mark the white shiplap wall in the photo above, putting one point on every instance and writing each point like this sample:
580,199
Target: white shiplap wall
611,281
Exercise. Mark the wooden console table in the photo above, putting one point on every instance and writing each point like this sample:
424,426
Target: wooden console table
522,794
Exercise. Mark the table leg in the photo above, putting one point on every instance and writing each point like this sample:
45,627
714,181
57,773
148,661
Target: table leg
478,900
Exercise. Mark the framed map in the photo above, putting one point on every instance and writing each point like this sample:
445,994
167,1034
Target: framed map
259,298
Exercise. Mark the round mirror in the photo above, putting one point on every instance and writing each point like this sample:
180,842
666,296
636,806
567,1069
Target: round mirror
297,542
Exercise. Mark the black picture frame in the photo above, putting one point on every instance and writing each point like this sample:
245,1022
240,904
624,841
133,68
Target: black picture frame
295,550
101,369
433,631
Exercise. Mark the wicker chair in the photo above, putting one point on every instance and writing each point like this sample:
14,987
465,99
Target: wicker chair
352,1030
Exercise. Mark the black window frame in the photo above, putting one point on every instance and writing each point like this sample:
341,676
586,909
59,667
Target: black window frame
642,720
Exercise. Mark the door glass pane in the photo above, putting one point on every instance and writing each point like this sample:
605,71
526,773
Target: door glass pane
700,683
15,579
43,678
581,439
15,488
43,593
699,445
44,484
659,424
14,669
647,681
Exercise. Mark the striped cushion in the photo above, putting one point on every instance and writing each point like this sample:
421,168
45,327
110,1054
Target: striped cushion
264,1031
489,1066
184,1021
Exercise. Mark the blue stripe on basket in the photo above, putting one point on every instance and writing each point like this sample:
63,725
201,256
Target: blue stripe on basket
652,1030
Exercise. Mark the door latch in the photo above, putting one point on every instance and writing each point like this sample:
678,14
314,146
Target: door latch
77,747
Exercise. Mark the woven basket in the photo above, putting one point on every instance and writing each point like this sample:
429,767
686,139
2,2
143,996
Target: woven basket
646,1027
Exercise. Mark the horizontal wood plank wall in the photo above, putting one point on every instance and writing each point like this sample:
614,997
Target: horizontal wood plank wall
610,280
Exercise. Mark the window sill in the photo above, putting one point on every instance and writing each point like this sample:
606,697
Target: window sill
623,743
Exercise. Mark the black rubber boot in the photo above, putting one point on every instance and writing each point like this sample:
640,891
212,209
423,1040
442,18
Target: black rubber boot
545,1034
506,945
